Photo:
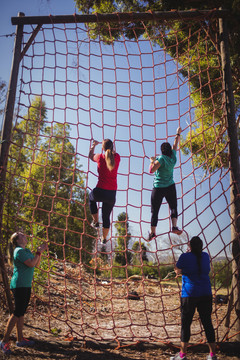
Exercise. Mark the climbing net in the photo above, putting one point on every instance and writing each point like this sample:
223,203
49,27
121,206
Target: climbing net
135,84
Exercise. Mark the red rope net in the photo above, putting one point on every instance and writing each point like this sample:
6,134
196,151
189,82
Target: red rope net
134,84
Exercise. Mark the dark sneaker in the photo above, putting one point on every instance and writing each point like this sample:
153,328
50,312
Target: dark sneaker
151,236
95,224
176,230
25,343
178,357
103,241
5,347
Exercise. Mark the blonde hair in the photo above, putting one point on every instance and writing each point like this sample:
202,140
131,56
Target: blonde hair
109,156
13,243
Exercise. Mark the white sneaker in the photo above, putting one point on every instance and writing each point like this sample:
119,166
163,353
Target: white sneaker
209,357
178,357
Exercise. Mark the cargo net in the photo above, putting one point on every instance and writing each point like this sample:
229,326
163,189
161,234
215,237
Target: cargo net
135,84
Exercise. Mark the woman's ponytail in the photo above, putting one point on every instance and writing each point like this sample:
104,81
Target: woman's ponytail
196,246
11,247
109,156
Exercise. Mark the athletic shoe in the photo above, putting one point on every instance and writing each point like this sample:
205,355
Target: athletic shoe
178,357
5,347
209,357
25,343
103,241
95,224
176,230
151,236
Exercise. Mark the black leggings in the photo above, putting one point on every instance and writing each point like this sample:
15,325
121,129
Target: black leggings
156,201
21,297
203,304
108,198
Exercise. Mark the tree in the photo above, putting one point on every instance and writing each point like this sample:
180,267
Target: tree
140,255
19,159
46,186
122,255
208,142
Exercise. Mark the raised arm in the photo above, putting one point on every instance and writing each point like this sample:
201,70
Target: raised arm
36,260
91,151
177,138
154,165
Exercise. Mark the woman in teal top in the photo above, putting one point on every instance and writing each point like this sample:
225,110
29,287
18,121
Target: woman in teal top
24,262
163,184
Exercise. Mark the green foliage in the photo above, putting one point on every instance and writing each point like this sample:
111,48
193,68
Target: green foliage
46,187
56,331
221,274
198,59
140,253
122,255
46,264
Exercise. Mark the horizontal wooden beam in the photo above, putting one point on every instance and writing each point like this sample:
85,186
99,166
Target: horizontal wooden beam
119,17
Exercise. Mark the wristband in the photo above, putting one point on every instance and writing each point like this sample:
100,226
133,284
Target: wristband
150,168
38,253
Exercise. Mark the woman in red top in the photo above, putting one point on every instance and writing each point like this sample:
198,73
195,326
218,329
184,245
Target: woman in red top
106,188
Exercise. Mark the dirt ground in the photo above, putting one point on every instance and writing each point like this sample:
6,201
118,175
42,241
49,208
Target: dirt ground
50,347
76,322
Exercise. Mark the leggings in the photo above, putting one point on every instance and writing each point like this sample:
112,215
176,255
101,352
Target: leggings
21,298
204,308
108,198
156,201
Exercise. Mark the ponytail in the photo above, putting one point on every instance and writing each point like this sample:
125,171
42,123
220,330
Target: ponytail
11,247
109,156
196,245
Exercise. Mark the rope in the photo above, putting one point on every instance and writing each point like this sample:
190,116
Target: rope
137,90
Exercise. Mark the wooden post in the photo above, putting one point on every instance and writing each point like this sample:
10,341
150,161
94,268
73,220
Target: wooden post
234,170
5,143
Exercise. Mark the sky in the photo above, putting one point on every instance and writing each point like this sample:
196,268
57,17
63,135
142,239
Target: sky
11,8
136,138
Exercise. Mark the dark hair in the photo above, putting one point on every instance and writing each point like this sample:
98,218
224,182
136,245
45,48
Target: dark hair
166,149
109,157
196,246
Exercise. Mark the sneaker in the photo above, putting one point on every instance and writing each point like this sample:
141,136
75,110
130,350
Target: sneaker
176,230
178,357
25,343
209,357
5,347
151,236
103,241
95,224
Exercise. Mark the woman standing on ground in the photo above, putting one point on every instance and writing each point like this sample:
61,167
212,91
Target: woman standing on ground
105,191
164,185
24,262
194,266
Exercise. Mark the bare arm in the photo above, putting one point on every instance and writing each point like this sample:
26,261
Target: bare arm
154,164
178,271
177,138
91,151
37,258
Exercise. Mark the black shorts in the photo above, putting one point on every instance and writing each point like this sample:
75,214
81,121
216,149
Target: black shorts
21,298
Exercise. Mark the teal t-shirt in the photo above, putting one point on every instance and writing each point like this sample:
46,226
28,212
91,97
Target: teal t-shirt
164,174
22,274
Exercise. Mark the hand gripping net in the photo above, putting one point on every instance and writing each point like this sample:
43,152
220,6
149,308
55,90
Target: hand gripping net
135,85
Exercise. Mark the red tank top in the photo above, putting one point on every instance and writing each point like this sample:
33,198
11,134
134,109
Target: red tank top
106,179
